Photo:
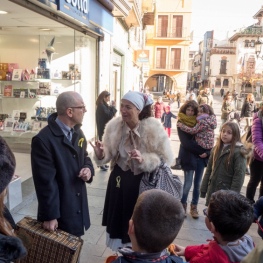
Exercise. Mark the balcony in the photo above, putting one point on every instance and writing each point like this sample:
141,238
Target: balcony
121,8
177,65
175,33
134,17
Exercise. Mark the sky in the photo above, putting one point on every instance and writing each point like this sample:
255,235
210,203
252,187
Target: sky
222,16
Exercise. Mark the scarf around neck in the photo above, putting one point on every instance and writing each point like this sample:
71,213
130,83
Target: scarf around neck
189,121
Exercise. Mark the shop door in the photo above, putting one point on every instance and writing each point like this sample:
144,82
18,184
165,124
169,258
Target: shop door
116,87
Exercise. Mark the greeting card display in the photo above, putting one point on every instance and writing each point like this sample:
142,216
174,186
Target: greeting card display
17,73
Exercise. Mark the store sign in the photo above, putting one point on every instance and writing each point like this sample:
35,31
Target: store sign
77,9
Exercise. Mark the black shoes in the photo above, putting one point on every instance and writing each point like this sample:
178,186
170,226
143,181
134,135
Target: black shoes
177,165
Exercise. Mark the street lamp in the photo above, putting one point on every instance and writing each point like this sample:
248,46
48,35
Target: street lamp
258,46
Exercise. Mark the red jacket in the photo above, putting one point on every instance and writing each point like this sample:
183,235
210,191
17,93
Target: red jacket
158,110
206,253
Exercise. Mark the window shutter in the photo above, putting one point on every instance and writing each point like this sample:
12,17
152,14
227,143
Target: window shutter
175,58
162,26
161,58
177,26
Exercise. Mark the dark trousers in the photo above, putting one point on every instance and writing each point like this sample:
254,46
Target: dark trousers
256,177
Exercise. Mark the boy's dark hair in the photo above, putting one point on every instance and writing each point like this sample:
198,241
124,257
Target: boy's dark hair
231,213
157,218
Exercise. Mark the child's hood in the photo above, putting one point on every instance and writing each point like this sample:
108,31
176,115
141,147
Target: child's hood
210,121
237,250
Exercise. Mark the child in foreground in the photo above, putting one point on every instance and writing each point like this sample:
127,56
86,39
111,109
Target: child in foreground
155,223
227,163
228,217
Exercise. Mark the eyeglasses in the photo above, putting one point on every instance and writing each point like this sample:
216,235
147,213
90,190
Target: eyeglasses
79,107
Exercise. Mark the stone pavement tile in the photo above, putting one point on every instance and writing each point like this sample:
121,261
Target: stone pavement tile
102,240
30,210
96,201
93,191
93,235
86,258
95,219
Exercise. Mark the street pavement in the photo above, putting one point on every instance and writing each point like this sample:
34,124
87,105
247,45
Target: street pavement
94,250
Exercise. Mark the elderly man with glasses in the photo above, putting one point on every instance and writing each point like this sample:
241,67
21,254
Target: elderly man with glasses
61,168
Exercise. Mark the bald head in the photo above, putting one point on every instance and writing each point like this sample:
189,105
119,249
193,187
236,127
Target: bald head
66,100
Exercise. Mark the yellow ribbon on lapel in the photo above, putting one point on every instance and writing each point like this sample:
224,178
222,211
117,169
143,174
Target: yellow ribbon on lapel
80,143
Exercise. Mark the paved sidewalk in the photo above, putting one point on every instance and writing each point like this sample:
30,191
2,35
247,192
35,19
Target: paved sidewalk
94,250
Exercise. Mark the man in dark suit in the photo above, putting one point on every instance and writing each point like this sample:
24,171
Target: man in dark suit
61,168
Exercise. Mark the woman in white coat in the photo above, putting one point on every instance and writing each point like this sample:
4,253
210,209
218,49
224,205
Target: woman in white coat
134,143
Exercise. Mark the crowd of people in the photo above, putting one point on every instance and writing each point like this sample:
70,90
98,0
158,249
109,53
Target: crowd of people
142,228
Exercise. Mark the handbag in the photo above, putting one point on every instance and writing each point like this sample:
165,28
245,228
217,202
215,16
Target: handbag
44,246
162,178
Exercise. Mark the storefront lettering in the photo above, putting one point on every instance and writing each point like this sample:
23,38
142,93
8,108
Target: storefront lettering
81,5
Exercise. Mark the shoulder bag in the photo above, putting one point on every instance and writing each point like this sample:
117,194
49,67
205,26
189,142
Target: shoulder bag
162,178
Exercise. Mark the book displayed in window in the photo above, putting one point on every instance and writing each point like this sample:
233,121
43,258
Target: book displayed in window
20,93
8,90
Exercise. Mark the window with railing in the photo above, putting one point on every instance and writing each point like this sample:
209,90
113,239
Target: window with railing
177,26
162,26
161,58
175,58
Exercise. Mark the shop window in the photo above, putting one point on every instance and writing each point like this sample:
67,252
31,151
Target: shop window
161,58
175,58
162,26
48,66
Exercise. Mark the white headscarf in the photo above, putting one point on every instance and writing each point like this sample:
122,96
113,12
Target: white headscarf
138,99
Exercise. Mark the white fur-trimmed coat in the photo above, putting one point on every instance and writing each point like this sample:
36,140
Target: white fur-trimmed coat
153,136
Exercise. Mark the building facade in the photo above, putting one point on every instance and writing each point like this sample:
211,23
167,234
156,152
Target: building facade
167,42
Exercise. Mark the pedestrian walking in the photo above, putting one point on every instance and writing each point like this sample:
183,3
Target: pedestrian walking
235,97
205,97
222,92
104,113
248,109
167,120
227,107
179,99
159,108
